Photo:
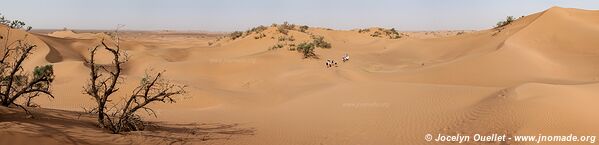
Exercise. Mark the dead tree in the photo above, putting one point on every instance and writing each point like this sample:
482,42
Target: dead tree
14,81
104,82
102,87
152,88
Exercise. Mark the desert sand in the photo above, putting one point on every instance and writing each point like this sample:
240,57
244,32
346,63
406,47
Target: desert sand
538,75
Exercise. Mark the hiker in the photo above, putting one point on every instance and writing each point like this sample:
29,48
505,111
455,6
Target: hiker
345,57
334,63
330,63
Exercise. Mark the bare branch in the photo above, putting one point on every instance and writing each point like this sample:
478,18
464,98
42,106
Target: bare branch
122,117
14,82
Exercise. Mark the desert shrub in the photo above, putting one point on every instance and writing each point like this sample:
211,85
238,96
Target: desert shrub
46,71
507,21
286,38
281,38
260,36
235,35
285,27
392,31
303,28
376,34
276,46
363,30
307,49
282,30
258,29
318,41
14,81
104,81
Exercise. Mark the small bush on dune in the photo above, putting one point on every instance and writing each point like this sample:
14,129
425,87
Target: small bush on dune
376,34
276,46
286,38
285,27
282,30
307,49
258,29
235,35
281,38
260,36
303,28
392,31
319,42
508,20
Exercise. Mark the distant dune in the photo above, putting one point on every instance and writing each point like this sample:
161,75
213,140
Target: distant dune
538,74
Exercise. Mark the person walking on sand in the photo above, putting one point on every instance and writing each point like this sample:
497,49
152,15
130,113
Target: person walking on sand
330,63
345,57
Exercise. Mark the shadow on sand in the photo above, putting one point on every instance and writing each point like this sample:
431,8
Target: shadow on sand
51,126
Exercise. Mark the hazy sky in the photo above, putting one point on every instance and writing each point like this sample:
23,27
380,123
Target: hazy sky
228,15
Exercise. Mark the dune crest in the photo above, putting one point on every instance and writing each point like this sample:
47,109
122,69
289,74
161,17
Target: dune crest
536,74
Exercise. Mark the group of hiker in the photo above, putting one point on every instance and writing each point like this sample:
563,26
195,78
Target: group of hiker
332,63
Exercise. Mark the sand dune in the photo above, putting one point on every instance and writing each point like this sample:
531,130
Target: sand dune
537,75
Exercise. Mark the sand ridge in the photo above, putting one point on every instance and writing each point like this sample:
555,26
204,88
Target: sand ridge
538,74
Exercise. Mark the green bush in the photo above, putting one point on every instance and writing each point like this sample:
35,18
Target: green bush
260,36
282,30
318,41
258,29
307,49
286,38
235,35
508,20
392,31
277,46
44,71
376,34
303,28
285,27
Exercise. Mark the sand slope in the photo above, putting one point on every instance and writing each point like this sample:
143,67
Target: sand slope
538,75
